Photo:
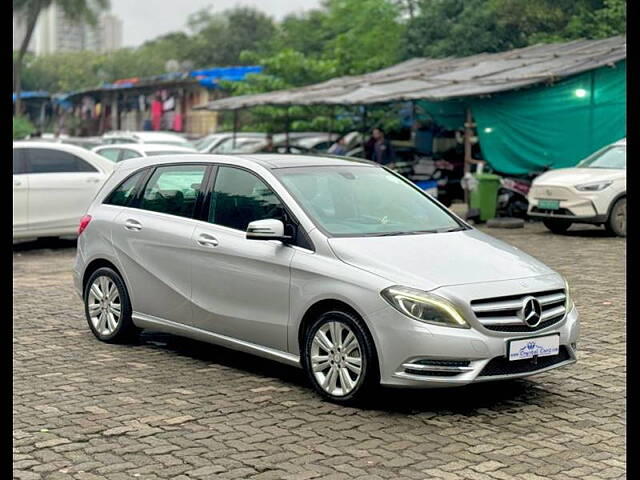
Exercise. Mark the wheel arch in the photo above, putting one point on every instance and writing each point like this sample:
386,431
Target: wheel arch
613,202
96,264
326,305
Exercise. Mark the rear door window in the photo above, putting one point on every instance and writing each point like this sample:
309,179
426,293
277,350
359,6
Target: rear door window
43,160
174,190
18,162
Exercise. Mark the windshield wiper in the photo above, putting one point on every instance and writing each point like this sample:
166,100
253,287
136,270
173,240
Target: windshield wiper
415,232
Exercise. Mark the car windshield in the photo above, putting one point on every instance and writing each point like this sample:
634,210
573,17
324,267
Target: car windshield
364,201
610,157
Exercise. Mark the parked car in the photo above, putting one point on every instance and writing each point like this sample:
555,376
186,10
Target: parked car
213,142
84,142
334,265
164,138
123,151
53,184
594,191
241,145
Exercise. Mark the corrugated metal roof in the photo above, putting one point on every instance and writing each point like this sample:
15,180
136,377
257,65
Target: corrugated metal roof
440,79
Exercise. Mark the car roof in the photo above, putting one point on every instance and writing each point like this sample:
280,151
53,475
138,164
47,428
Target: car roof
146,135
148,147
267,160
81,152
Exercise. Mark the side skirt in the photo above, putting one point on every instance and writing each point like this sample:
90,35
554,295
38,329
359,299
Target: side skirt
158,324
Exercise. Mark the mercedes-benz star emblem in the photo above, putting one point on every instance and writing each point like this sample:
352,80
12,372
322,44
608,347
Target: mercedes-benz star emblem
531,312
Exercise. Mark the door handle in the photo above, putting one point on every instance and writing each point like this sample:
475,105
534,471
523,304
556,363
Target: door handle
133,225
17,183
93,180
206,240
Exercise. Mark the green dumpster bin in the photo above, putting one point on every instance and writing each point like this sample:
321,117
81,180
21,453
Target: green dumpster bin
485,196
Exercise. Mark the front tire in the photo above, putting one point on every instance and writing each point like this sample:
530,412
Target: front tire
617,221
556,225
340,358
107,307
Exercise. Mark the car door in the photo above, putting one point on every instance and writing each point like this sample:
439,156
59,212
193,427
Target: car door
61,187
152,239
240,287
20,193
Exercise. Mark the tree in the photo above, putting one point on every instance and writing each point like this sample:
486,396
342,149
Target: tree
465,27
74,10
220,39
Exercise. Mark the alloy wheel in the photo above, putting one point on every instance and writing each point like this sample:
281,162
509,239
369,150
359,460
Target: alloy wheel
104,305
621,218
336,358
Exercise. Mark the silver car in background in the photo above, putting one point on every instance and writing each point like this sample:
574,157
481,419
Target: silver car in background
338,266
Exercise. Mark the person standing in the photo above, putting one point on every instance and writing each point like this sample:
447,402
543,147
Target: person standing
382,149
338,148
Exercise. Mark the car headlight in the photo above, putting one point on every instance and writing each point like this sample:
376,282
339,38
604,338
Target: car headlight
424,307
568,302
593,186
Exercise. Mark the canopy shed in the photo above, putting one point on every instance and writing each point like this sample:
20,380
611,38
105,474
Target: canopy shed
547,104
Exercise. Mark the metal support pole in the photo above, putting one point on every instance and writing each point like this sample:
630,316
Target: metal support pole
591,108
235,128
468,125
286,130
103,113
364,123
331,118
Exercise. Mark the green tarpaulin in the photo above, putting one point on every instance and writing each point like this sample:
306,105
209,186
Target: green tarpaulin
556,125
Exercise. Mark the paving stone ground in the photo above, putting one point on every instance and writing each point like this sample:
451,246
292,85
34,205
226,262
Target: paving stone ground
173,408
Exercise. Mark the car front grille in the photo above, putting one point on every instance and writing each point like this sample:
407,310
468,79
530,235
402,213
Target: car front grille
503,366
501,314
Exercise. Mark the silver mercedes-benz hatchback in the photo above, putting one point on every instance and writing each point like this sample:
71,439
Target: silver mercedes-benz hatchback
338,266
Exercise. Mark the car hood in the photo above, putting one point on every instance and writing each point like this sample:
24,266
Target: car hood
430,261
569,177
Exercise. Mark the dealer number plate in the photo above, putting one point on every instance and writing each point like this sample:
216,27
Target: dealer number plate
534,347
549,204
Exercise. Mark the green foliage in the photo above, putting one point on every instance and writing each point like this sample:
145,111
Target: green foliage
465,27
22,127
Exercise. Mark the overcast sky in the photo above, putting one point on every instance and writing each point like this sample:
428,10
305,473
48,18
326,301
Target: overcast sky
145,19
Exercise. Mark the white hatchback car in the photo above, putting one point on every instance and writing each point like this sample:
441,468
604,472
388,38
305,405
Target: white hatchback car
124,151
594,191
53,184
166,138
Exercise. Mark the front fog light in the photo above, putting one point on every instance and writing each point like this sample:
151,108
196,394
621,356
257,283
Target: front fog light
424,307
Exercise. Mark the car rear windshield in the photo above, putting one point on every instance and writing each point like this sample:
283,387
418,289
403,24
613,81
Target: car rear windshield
609,157
364,201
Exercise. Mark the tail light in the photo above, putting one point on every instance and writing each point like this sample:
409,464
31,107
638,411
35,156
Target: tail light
84,222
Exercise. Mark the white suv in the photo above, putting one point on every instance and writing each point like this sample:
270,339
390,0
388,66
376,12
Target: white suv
595,191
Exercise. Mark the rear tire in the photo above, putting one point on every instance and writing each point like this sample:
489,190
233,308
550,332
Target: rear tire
617,221
556,225
340,358
107,307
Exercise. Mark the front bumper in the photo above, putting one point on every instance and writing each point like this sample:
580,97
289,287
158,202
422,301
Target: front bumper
459,356
573,205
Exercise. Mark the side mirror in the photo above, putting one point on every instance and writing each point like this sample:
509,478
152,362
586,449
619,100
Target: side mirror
269,229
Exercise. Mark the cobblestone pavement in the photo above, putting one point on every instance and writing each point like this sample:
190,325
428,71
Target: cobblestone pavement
172,408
